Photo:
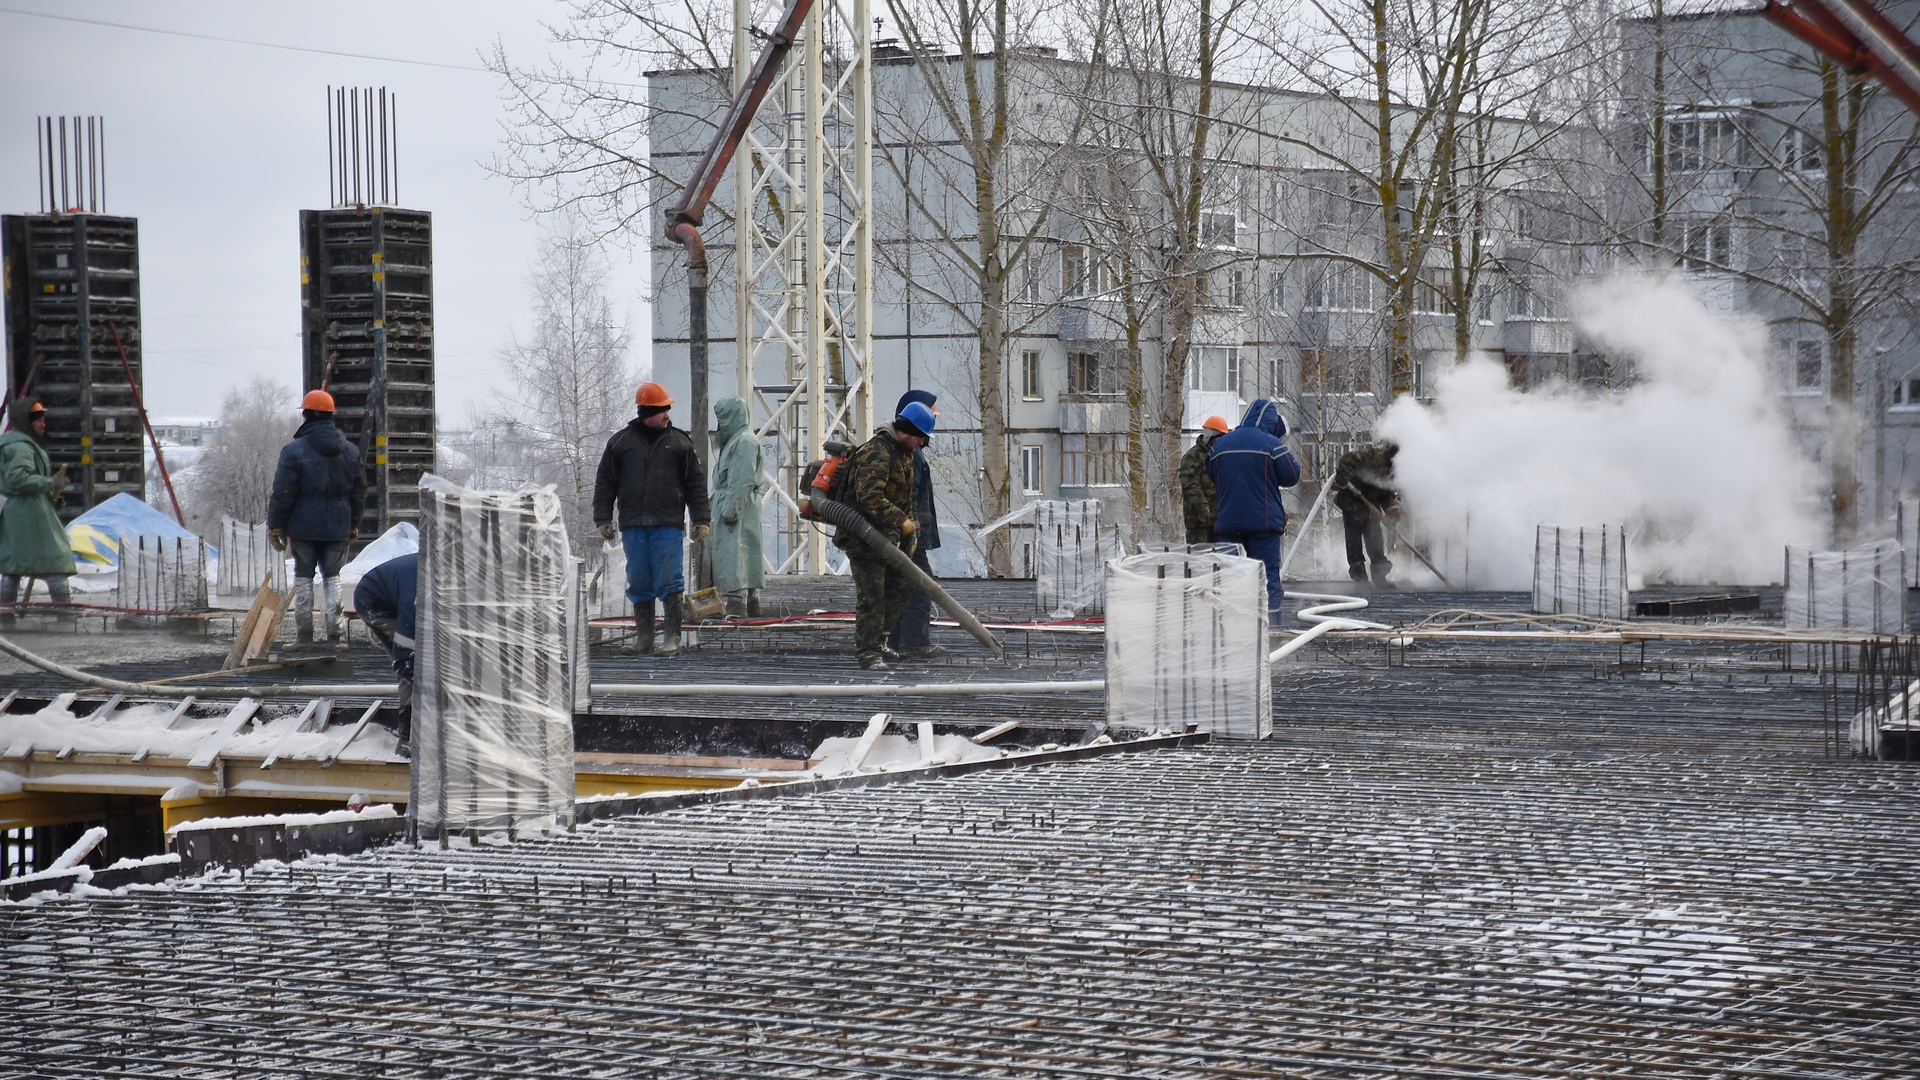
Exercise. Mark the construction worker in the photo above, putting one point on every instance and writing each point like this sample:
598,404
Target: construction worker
1249,465
1196,487
881,486
32,542
651,469
385,601
739,570
319,490
912,636
1363,490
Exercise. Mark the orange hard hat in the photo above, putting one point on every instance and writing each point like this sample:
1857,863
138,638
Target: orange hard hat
1217,423
652,393
317,401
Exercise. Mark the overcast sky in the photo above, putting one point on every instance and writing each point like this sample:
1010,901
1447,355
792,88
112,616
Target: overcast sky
216,147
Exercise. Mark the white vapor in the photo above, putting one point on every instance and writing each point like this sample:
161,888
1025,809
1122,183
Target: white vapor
1695,459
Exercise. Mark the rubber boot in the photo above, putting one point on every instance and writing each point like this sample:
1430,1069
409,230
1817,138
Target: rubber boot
336,625
1380,571
642,629
737,604
753,603
670,630
9,596
303,614
1357,571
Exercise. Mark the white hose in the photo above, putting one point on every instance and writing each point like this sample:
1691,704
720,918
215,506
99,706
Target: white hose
1325,623
801,690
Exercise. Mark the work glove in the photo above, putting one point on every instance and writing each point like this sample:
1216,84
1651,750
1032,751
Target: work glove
59,499
700,532
608,532
908,526
277,539
909,543
353,535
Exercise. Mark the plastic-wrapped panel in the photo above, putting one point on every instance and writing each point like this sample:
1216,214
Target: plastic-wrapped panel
163,573
495,680
1070,553
1862,588
1187,644
1580,570
247,561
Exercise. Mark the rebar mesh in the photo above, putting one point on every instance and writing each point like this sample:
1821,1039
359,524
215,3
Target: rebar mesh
162,573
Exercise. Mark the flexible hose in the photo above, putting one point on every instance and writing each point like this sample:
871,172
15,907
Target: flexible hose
306,690
848,518
1325,623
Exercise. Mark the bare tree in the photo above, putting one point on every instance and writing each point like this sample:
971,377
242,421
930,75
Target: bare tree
234,477
572,383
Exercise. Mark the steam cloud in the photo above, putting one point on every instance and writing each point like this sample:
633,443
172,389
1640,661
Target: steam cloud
1696,459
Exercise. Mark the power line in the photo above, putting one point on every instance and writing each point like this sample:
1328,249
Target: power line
241,41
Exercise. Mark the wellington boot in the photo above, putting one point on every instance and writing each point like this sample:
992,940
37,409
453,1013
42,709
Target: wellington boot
753,603
642,643
670,629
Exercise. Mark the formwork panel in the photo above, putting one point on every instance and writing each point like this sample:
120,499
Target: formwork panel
72,286
366,297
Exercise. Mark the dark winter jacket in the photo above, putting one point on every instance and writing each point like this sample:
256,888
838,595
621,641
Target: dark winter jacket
1196,488
388,592
319,488
1366,472
1249,465
880,487
655,475
926,518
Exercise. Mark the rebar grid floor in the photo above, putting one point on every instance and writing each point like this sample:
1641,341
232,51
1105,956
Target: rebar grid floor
1312,907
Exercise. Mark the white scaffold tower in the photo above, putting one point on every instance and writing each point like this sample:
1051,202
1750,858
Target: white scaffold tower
804,250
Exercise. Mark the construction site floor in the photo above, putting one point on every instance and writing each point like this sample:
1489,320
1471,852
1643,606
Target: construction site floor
1454,859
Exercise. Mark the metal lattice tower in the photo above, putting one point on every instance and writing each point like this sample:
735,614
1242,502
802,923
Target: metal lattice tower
805,255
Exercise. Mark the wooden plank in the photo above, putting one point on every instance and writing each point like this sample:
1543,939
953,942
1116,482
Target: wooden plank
690,761
7,702
179,711
263,614
210,747
112,703
996,731
300,726
360,726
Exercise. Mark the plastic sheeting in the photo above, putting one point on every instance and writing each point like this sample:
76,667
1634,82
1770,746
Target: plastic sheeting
1151,547
496,670
1070,553
125,516
247,561
163,573
1580,570
1862,588
401,539
1187,644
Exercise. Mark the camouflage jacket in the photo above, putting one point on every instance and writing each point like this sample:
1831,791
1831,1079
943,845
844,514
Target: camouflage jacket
880,486
1368,471
1196,486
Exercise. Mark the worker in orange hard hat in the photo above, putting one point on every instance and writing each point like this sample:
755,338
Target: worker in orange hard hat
651,470
1196,487
32,542
319,490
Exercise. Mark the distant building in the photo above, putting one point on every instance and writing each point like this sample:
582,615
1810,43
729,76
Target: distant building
184,430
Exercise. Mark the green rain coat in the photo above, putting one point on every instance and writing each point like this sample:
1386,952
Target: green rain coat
734,547
32,541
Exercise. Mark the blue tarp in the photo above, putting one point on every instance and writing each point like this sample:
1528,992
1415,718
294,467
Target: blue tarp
128,517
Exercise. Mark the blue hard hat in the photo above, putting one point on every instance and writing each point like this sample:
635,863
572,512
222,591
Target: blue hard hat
920,417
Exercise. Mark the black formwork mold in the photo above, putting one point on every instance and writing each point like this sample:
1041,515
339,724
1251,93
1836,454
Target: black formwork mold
72,285
366,304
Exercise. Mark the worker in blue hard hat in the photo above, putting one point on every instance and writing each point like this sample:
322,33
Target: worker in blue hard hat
881,489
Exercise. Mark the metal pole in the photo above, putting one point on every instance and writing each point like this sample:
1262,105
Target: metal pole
134,385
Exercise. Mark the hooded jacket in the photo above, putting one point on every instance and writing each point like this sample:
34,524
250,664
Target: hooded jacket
319,487
655,475
32,541
734,546
389,591
1249,465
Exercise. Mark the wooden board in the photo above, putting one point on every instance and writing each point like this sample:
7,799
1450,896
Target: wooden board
261,626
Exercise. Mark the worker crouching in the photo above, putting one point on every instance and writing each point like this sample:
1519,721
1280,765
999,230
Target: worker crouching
651,471
32,542
319,491
385,600
881,489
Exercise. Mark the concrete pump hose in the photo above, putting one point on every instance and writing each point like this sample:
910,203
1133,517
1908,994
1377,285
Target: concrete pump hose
848,518
200,690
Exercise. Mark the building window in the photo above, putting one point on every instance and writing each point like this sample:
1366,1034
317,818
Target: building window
1524,302
1084,375
1336,371
1213,367
1073,272
1030,374
1433,291
1277,290
1706,245
1805,152
1703,143
1029,291
1341,286
1421,391
1093,460
1807,365
1033,470
1236,288
1906,392
1220,229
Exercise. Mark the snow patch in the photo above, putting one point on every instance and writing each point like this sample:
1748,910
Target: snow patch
371,813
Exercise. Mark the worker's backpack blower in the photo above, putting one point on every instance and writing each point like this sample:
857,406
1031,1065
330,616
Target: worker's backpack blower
825,479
